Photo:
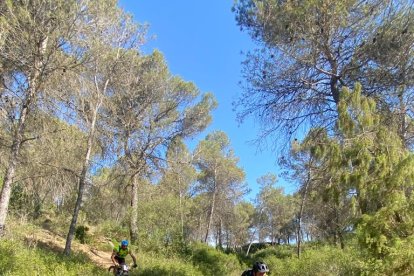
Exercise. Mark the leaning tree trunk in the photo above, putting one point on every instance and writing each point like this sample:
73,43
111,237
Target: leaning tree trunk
251,242
34,80
82,184
7,183
134,210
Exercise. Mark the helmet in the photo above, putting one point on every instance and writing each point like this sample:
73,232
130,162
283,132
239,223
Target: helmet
124,243
260,267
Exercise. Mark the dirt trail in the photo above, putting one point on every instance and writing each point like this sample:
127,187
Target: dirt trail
46,238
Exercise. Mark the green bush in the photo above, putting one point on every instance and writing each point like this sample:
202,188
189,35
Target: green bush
279,251
322,261
81,234
214,262
399,261
158,242
113,230
16,259
155,265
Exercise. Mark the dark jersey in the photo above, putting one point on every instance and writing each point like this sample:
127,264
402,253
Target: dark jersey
248,273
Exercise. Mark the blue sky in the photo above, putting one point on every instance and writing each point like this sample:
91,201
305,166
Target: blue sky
202,43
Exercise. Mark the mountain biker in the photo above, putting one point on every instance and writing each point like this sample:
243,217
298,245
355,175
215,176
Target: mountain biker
120,252
259,269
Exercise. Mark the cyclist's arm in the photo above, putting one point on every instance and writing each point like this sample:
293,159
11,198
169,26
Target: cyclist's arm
113,257
133,258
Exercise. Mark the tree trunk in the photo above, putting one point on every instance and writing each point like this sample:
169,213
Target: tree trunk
402,116
302,204
334,77
217,236
338,230
251,242
228,242
200,235
248,248
210,216
6,189
220,234
82,184
133,231
181,208
213,203
18,136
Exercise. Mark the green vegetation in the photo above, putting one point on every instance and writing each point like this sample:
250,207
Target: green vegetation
91,156
17,259
20,254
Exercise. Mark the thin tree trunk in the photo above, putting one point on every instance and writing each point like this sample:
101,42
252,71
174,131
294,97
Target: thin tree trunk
18,136
200,235
210,216
248,248
82,184
6,189
213,203
217,236
251,242
220,230
334,70
228,243
302,204
134,209
181,208
403,121
338,230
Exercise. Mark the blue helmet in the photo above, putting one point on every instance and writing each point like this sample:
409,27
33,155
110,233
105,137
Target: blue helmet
124,243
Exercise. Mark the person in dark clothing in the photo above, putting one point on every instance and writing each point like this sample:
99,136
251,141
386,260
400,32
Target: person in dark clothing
259,269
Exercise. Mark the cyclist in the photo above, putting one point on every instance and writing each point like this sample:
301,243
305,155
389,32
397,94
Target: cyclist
259,269
120,252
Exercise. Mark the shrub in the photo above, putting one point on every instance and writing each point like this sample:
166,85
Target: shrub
399,261
81,234
113,230
16,259
155,265
214,262
323,261
279,251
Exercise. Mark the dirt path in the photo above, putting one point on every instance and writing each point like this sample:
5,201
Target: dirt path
45,238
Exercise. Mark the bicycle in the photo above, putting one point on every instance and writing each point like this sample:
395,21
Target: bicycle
120,270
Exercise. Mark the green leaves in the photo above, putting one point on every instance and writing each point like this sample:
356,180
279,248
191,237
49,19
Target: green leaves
310,50
369,170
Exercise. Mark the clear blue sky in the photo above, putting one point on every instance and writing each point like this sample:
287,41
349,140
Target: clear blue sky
202,43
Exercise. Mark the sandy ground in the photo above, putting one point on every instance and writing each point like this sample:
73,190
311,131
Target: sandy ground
48,239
